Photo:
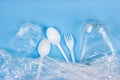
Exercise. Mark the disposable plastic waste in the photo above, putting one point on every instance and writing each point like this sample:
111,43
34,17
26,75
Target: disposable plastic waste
27,38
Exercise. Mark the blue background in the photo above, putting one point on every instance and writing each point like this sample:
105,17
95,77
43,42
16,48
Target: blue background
64,15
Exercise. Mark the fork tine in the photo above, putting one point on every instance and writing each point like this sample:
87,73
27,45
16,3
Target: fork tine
68,36
65,37
71,36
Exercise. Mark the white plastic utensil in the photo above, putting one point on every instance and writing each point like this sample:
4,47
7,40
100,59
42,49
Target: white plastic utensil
54,37
70,44
43,50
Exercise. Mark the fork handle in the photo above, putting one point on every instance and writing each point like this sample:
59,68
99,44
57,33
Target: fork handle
63,53
72,54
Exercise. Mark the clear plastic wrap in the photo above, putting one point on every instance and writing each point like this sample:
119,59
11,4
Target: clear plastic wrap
27,37
13,67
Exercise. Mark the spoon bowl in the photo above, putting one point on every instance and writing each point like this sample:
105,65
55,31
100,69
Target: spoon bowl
44,47
53,36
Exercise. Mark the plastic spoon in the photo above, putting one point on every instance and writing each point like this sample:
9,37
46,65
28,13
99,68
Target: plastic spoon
54,37
43,50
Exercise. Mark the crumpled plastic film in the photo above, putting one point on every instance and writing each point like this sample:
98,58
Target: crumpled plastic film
13,67
27,37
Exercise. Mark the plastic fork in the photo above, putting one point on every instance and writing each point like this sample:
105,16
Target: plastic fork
70,44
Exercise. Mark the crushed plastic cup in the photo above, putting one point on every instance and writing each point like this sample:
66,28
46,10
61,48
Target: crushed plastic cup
27,38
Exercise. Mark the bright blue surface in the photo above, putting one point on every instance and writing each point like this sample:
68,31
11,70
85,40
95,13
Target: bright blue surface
64,15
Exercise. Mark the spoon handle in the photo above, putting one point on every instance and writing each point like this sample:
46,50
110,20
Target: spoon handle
39,68
63,53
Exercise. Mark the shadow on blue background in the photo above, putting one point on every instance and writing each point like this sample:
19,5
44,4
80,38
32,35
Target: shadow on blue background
64,15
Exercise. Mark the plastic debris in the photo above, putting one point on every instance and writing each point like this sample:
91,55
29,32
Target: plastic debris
13,67
27,37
